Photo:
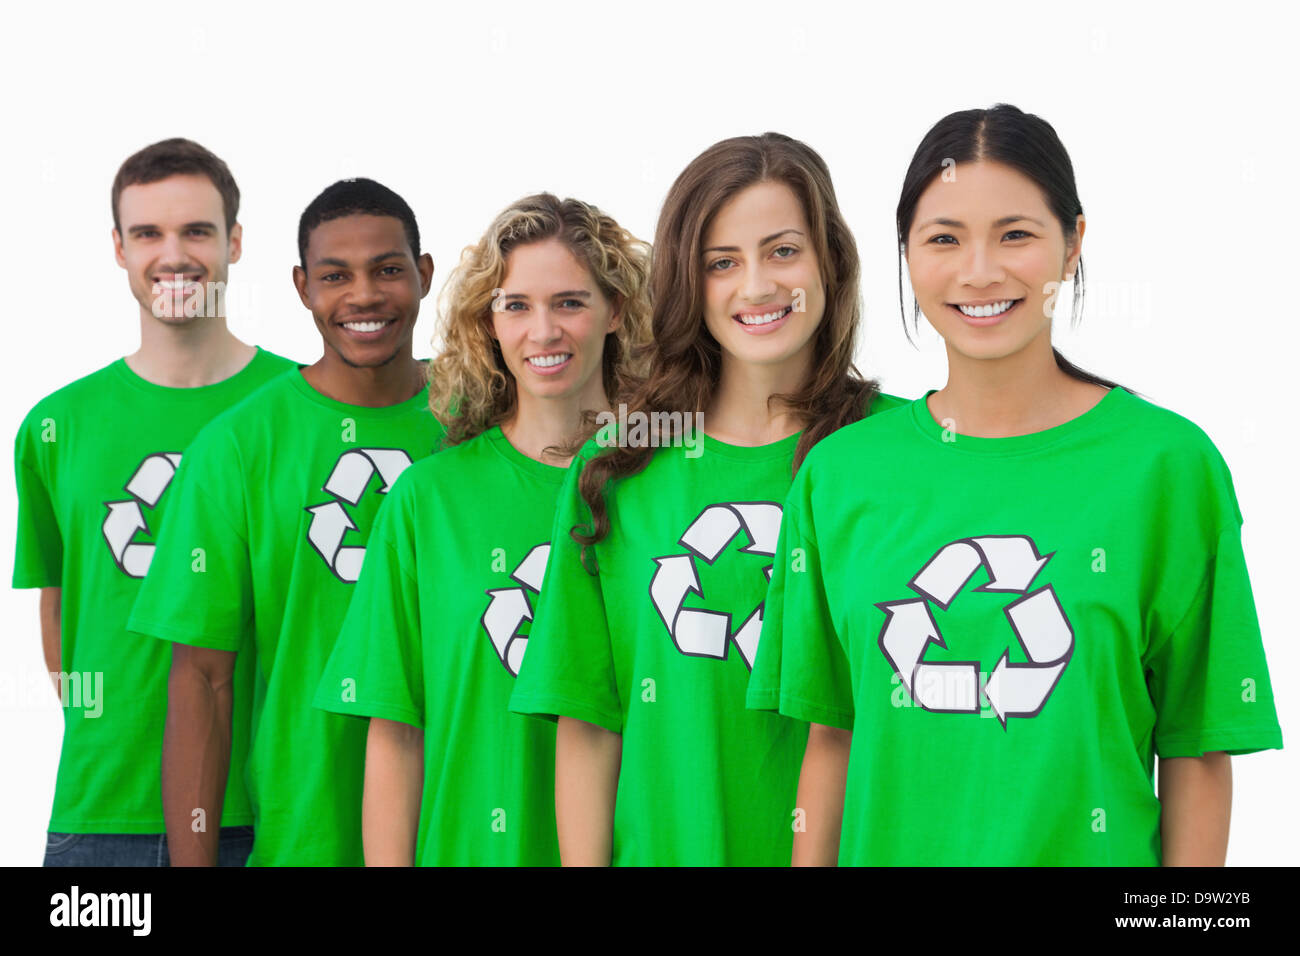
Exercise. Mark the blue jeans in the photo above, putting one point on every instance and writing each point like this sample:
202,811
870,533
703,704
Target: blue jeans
137,849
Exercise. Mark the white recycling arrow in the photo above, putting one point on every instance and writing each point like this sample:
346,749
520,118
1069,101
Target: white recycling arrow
1012,563
153,476
1047,638
948,687
1037,619
712,531
1020,690
508,608
348,481
909,627
145,486
699,632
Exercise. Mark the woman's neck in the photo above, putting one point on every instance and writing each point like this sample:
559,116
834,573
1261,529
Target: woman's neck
539,424
1017,395
740,414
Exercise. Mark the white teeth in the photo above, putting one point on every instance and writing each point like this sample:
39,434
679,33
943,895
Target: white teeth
986,311
173,284
364,326
764,319
548,361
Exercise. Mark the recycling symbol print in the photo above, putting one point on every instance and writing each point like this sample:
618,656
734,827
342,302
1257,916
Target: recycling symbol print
330,521
125,518
699,632
509,608
1036,618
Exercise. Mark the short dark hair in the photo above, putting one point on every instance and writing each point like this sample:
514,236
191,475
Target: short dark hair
356,197
176,157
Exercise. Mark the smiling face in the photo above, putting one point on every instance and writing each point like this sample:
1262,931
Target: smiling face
986,255
174,227
763,293
551,320
363,287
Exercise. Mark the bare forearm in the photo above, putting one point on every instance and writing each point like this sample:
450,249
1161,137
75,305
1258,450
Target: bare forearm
1195,809
821,796
587,761
390,808
195,764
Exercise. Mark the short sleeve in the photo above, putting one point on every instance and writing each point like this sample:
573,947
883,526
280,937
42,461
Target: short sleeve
199,588
377,666
568,668
800,669
38,553
1208,679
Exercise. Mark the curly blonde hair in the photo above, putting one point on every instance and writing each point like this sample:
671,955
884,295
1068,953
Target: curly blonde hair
470,387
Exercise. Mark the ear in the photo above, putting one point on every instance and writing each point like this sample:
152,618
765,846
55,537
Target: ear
616,316
236,242
300,283
425,267
1076,248
117,248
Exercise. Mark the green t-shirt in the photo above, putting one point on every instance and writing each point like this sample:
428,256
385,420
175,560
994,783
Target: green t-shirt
437,627
657,647
1013,628
276,500
93,463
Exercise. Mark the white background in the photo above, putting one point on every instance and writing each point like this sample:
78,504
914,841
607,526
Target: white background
1180,121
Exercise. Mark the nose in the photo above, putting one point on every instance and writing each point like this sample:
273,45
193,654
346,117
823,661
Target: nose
365,291
173,251
543,328
980,266
756,285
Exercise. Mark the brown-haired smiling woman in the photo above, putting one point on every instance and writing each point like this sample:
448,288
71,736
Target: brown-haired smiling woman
652,604
1048,550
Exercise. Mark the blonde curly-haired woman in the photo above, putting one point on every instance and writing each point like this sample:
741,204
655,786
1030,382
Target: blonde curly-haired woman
539,326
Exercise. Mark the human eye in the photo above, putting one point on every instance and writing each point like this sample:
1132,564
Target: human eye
717,265
199,232
790,251
331,276
391,270
943,239
572,304
1018,234
510,306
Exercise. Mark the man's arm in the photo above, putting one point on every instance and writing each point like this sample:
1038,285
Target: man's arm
821,796
196,751
587,762
1195,807
52,633
390,807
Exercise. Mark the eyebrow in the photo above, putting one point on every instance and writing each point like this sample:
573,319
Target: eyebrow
1004,221
570,294
132,230
762,242
373,260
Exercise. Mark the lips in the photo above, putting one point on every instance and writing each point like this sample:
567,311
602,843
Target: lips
169,280
763,323
366,328
367,325
762,318
985,313
550,363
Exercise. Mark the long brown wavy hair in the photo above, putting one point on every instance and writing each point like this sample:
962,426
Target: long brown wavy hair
470,388
685,360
